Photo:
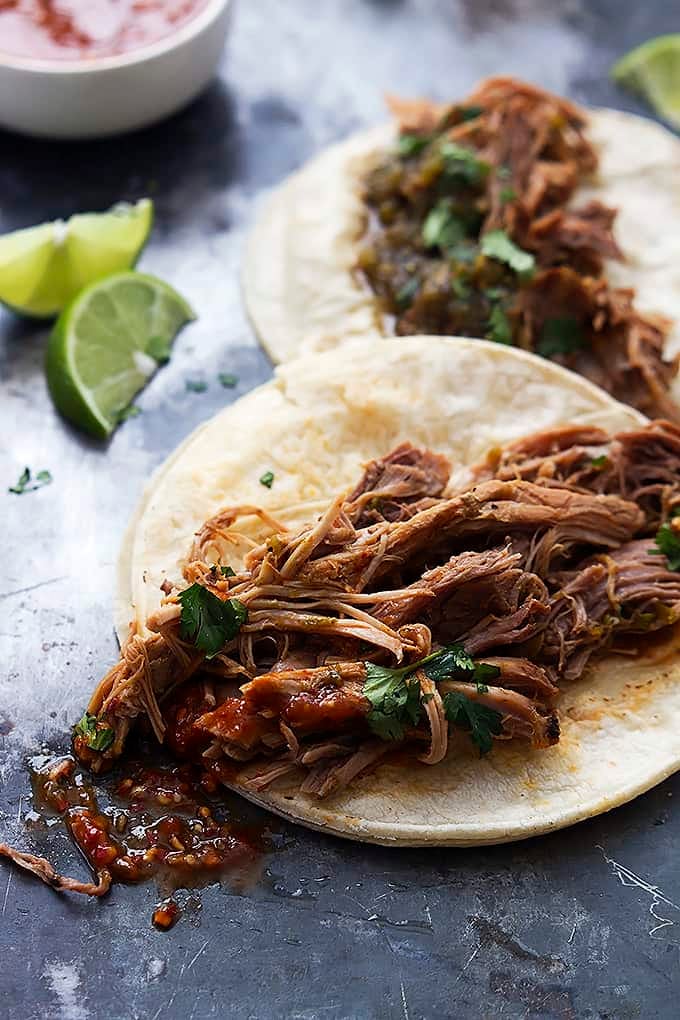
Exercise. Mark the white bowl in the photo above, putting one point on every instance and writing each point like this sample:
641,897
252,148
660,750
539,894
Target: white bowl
95,97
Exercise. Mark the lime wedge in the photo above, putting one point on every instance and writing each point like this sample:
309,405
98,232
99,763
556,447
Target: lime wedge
106,345
42,268
652,71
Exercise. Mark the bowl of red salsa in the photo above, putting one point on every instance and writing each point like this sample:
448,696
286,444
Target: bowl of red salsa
75,69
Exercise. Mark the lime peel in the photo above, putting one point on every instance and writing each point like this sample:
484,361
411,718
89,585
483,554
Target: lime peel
652,70
42,268
97,357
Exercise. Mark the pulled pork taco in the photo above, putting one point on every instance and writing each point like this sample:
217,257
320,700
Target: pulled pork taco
418,593
513,215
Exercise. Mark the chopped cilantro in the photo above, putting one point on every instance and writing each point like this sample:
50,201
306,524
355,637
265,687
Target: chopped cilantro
196,385
396,702
560,336
228,572
406,294
460,288
442,228
482,722
599,462
25,484
411,145
485,671
454,115
507,194
465,251
667,543
267,479
462,163
159,349
499,328
453,662
469,112
228,380
207,621
497,245
97,737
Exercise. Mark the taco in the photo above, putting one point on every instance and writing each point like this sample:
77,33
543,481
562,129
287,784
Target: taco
417,593
513,215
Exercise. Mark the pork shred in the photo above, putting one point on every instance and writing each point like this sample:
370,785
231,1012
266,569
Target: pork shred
509,158
544,562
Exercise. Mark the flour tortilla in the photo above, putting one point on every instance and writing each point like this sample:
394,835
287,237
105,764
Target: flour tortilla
299,283
314,425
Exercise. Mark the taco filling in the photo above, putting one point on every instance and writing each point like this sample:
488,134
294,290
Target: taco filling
411,616
471,231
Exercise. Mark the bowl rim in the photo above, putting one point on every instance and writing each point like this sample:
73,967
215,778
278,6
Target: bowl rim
90,65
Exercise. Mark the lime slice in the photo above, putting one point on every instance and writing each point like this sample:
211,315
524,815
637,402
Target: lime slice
653,71
106,345
42,268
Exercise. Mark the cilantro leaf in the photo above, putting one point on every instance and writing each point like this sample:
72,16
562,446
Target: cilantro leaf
599,462
395,701
560,336
465,251
228,380
97,737
470,112
667,543
23,480
159,349
267,479
25,484
462,163
228,572
442,229
207,621
453,662
395,697
484,672
410,144
507,194
497,245
406,294
498,326
460,288
196,385
483,723
457,114
450,661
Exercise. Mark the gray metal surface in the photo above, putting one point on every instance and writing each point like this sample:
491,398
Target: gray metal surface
585,923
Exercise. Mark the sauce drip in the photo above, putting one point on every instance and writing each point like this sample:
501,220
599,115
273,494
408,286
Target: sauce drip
154,822
71,29
166,914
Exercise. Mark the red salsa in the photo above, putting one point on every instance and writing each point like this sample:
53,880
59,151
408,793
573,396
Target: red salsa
71,29
158,823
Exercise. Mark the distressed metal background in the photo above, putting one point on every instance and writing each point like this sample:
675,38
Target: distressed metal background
582,924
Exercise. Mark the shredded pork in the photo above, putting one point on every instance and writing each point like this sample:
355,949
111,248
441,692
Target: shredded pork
507,161
545,561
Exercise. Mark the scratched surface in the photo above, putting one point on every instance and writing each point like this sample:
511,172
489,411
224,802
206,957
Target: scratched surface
582,924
